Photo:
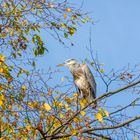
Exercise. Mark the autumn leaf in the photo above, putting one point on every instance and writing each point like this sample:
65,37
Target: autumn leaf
75,95
1,70
74,17
1,103
68,9
134,138
1,89
66,107
72,130
62,79
4,5
30,104
63,25
68,100
12,32
23,87
7,29
61,115
47,106
82,102
28,127
2,58
2,97
82,113
99,117
50,5
106,113
60,104
71,30
65,15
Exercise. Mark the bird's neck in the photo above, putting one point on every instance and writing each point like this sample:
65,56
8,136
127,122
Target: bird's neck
76,71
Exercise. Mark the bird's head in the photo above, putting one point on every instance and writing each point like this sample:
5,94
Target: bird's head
70,63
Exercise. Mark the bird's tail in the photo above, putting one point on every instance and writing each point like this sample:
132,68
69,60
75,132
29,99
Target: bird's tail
94,104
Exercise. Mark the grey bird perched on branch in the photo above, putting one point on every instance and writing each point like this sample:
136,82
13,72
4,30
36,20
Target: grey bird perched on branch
83,79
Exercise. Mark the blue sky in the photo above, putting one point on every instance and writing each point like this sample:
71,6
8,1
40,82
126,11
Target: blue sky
115,37
115,34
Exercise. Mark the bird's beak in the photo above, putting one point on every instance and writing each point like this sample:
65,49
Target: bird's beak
61,65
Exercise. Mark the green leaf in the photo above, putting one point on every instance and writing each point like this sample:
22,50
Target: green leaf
33,64
83,21
87,18
65,35
101,70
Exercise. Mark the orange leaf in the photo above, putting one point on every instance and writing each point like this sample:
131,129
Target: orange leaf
65,16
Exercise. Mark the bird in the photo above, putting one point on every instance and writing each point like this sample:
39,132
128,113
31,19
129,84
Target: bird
83,79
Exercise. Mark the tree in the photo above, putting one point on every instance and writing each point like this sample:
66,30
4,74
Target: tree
30,107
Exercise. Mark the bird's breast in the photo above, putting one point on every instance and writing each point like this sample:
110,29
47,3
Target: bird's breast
81,83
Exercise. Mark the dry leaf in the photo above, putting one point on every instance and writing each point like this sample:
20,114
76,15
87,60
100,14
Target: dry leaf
47,106
99,117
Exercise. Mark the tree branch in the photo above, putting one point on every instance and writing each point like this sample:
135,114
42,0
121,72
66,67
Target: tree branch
100,128
108,94
115,126
100,135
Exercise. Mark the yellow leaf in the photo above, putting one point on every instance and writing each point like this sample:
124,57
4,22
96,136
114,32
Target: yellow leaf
60,104
47,106
99,117
68,100
24,22
71,30
34,133
75,95
72,130
76,119
135,138
50,5
30,104
55,103
1,70
62,79
1,96
28,127
63,25
7,29
82,102
61,115
100,110
66,107
2,58
12,32
23,87
82,113
106,113
4,5
1,102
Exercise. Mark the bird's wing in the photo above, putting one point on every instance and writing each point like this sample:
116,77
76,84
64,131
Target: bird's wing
90,78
